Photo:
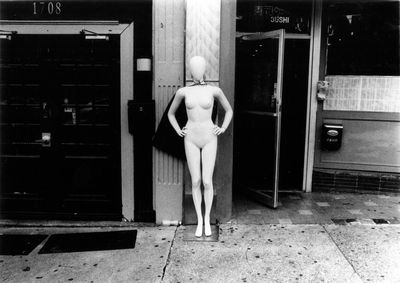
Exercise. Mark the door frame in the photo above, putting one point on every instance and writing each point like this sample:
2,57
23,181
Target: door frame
313,77
312,103
126,83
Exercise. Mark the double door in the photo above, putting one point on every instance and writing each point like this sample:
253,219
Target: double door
60,127
271,108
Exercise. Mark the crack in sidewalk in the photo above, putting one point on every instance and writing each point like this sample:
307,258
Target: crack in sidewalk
169,254
347,259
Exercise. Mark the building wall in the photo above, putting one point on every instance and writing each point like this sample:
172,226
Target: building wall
197,26
369,158
368,107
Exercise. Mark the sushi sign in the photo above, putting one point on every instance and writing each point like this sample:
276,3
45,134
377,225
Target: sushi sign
283,20
273,14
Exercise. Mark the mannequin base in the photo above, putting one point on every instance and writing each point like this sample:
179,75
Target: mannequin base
189,234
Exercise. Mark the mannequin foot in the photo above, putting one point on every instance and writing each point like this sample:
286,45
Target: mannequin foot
199,230
207,229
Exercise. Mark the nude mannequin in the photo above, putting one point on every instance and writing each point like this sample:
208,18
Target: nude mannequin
200,136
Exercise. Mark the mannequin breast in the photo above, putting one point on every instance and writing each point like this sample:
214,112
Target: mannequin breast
199,103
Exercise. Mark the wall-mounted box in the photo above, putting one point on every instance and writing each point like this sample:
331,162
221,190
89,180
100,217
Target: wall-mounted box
141,117
331,138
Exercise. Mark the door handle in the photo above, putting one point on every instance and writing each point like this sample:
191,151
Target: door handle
45,140
279,105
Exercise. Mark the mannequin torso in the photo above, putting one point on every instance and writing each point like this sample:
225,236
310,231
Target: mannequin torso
199,101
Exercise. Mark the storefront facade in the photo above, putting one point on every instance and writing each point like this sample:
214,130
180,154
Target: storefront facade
68,72
366,156
267,57
215,30
360,59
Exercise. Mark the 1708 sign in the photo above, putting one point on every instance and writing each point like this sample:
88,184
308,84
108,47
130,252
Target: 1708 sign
47,8
73,10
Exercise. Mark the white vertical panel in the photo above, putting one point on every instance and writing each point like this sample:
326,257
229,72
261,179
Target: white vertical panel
315,52
126,138
203,35
169,19
203,23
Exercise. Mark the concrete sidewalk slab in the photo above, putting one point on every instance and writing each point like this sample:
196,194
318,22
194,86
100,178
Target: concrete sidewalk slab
260,253
144,263
373,250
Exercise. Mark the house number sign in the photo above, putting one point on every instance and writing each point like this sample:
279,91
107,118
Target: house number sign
47,8
69,10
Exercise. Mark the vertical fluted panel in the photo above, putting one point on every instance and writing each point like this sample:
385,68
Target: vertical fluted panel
169,23
169,168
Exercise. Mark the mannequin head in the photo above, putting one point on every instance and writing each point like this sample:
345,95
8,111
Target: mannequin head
197,67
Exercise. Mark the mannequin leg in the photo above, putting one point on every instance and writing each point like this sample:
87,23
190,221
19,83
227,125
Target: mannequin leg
193,161
208,155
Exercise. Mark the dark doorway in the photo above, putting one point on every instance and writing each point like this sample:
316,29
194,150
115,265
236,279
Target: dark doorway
60,127
294,113
254,134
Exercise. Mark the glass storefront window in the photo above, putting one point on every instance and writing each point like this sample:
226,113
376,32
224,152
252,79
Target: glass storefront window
362,38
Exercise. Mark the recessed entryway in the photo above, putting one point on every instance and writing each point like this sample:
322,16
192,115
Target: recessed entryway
63,124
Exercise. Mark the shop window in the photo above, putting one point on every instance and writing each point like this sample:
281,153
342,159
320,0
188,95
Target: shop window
363,38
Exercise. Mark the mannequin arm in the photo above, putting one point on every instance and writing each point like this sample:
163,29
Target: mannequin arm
227,107
171,113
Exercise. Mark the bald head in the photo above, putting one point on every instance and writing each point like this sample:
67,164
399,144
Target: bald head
197,66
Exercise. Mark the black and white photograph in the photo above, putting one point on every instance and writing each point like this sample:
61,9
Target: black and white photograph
200,141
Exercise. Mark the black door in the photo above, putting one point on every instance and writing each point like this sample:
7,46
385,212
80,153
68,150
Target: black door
60,127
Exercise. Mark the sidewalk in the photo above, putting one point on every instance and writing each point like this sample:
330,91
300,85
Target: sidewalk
144,263
253,251
290,253
244,253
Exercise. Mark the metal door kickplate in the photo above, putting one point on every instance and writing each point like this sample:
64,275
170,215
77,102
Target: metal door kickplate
188,234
